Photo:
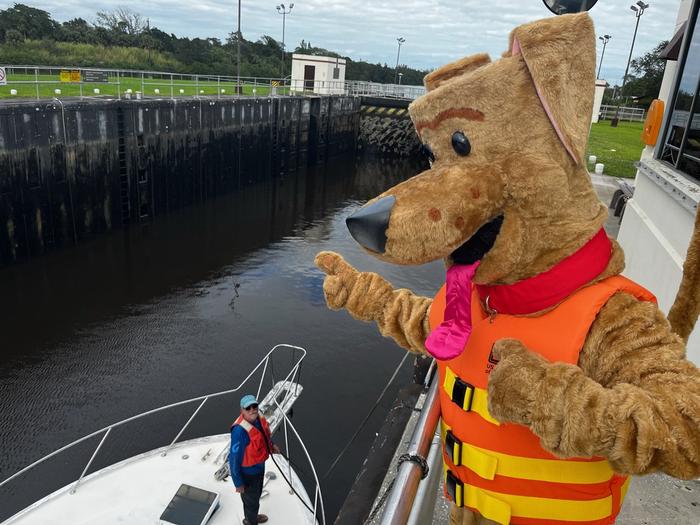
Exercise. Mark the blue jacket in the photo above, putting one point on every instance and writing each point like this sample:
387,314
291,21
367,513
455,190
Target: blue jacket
239,441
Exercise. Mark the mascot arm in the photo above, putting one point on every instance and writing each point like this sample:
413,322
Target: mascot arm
367,296
634,399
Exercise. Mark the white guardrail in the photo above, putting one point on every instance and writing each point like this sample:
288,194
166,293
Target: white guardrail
41,82
626,113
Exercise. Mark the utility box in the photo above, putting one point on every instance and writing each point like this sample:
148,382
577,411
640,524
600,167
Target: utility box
318,74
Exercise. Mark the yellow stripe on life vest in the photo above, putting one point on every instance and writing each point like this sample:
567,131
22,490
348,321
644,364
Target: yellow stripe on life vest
500,507
487,463
480,403
623,490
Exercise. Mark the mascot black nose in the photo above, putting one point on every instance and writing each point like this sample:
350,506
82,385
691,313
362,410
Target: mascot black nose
368,225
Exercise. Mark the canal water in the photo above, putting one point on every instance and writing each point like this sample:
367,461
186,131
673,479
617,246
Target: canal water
186,306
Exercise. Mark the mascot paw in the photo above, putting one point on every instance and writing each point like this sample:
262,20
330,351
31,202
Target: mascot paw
340,278
513,381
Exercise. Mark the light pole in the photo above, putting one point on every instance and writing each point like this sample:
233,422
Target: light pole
638,12
284,12
400,40
238,52
605,39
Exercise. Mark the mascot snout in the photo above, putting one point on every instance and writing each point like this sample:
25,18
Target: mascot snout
368,225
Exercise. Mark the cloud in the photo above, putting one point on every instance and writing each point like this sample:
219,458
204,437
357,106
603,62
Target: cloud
436,31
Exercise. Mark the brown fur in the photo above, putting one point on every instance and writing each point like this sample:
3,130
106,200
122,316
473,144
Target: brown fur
686,307
633,398
448,72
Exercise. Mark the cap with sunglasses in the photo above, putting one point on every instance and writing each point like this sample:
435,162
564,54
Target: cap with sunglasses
248,400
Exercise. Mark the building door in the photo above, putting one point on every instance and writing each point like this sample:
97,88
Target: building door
309,77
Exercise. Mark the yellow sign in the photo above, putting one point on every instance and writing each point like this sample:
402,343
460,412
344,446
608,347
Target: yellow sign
70,76
275,83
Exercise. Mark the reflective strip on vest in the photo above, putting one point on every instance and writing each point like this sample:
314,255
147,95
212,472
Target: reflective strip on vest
500,507
487,464
468,399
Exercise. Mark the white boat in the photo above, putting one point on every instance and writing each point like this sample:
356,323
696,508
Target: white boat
186,482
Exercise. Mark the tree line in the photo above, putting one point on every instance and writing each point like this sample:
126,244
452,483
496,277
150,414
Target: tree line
125,39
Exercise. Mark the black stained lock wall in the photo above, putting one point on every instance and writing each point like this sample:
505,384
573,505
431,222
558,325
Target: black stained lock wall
70,170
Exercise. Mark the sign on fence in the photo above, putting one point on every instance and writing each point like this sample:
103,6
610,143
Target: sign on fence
3,76
95,76
70,76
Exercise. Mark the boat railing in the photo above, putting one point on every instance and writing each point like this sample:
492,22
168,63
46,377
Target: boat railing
262,368
409,500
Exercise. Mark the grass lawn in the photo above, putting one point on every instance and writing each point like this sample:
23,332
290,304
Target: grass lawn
27,88
618,148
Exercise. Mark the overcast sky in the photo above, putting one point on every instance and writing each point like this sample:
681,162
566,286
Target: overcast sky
436,31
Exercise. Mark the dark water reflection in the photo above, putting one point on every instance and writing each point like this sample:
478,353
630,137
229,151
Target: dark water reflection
186,306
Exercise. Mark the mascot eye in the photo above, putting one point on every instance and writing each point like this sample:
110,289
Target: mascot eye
460,143
425,150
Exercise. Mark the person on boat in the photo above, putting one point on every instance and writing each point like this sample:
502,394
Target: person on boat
251,445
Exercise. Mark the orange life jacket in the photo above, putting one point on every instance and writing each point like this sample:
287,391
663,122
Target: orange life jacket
258,450
501,470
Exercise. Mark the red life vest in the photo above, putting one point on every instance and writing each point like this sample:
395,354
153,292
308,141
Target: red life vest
258,450
501,470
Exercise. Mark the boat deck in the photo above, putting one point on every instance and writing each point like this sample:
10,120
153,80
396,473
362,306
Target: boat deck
137,490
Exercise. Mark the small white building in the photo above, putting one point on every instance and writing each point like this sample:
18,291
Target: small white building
600,86
318,74
658,220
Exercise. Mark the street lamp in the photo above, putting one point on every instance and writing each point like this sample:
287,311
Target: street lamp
284,12
638,12
400,75
238,52
400,40
605,39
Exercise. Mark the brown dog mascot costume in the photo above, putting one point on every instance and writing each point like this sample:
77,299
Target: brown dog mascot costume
558,377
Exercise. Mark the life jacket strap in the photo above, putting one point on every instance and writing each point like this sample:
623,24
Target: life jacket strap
466,396
488,506
499,507
487,464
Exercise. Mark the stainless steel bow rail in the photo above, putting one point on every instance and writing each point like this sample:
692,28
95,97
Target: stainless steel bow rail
279,401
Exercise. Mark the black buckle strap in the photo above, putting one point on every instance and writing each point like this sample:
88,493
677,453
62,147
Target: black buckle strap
460,390
453,448
455,489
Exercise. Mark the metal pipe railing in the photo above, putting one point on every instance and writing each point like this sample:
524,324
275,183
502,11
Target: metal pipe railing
120,82
398,506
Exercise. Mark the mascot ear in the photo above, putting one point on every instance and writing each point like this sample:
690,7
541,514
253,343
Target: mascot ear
455,69
560,55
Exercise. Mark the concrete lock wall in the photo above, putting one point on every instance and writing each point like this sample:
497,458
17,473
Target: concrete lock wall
76,169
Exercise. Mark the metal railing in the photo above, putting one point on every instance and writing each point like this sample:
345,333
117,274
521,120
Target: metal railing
264,362
30,81
375,89
37,82
399,507
626,113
